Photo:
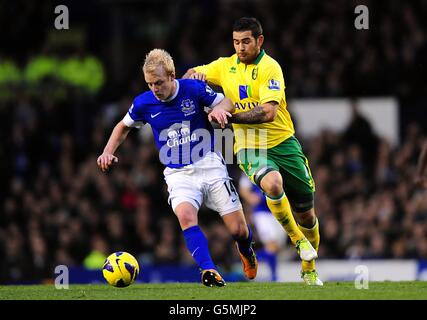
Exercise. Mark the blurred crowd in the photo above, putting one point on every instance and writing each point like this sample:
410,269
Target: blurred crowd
366,198
317,45
316,42
57,207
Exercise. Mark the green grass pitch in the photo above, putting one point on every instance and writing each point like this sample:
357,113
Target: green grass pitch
413,290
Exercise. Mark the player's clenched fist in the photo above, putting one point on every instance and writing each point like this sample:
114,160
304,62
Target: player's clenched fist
105,160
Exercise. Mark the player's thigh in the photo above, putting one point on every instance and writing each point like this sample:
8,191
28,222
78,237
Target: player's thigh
256,164
182,188
222,197
220,193
298,182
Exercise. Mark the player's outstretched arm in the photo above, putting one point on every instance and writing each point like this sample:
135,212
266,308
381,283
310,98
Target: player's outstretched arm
265,112
107,158
221,112
421,174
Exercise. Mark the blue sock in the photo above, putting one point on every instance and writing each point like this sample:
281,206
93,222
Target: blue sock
197,245
271,259
273,266
245,244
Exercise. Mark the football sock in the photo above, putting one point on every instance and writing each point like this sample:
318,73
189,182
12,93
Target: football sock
281,210
244,245
313,236
271,259
197,245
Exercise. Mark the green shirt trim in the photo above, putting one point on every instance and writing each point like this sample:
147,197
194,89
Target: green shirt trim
257,60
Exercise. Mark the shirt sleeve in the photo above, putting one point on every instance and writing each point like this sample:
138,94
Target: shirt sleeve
207,96
212,71
133,117
272,85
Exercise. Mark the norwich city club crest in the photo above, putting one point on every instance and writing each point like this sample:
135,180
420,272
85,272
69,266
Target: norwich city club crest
254,73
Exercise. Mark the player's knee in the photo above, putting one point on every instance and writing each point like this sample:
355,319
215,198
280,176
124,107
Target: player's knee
306,219
186,218
302,204
272,184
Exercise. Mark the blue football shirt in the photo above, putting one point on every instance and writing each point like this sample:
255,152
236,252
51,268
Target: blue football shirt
181,129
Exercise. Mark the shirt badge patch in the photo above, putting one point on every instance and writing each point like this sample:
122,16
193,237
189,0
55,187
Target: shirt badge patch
254,73
273,84
188,107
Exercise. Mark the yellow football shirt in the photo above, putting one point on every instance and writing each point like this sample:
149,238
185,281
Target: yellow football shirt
248,86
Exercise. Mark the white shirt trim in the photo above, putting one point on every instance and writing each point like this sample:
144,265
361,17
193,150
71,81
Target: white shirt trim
129,122
218,99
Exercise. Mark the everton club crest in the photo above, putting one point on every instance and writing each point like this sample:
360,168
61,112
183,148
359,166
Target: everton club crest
188,107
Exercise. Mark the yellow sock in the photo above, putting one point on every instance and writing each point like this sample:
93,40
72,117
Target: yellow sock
313,236
281,210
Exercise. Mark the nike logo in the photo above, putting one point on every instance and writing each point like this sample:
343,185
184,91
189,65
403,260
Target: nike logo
195,251
155,115
117,262
233,200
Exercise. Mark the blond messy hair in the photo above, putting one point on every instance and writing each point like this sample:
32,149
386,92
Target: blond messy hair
156,58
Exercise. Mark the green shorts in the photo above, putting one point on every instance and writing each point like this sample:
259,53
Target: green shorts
290,161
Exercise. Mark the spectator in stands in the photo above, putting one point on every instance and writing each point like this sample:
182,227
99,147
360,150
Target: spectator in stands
421,173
